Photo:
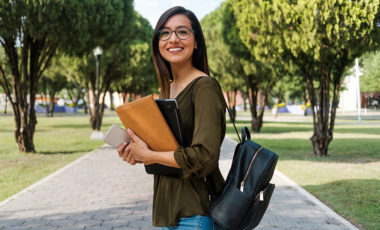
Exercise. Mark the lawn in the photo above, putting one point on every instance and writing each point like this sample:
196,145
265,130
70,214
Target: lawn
347,180
58,141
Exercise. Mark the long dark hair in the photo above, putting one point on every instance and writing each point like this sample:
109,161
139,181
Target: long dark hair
199,58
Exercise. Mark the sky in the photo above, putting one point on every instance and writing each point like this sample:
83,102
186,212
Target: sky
152,9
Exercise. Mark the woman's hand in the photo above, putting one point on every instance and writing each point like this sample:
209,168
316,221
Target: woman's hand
137,149
125,154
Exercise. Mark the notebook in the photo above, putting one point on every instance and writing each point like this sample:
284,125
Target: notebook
144,117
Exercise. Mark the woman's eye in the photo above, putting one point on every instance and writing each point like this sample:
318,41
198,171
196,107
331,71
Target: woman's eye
165,33
182,32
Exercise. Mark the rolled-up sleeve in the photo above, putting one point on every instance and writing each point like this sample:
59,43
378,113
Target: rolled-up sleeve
201,158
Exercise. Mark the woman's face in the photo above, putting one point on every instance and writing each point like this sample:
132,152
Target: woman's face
175,50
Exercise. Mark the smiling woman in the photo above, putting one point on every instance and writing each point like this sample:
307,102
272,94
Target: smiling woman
180,58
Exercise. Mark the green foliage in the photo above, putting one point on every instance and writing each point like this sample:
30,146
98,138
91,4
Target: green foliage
249,30
138,71
370,81
321,37
224,65
54,76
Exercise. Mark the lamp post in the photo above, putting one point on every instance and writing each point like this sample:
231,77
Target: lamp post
97,134
357,74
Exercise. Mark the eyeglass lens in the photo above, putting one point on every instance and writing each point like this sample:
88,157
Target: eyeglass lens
182,33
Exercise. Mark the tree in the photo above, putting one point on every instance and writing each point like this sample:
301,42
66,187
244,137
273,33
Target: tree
223,65
30,33
75,84
2,82
322,38
263,62
117,63
138,75
252,70
370,81
53,81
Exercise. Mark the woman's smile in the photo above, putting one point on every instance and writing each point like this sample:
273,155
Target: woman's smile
175,49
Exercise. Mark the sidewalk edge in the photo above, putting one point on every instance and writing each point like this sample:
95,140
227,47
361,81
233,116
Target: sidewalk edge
48,177
315,200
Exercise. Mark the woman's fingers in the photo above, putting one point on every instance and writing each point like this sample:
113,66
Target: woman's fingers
121,148
133,161
135,138
126,153
129,156
136,144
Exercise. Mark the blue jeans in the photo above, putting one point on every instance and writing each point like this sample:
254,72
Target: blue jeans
193,223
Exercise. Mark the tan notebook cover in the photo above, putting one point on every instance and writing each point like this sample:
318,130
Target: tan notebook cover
144,117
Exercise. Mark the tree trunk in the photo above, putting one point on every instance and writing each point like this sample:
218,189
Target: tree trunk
112,108
51,104
26,71
97,113
85,106
6,104
44,96
231,97
234,104
276,108
253,88
245,97
304,96
322,136
85,102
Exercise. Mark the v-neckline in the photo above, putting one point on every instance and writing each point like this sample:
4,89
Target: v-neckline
184,89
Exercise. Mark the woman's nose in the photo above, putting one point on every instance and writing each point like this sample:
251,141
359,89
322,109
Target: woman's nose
173,37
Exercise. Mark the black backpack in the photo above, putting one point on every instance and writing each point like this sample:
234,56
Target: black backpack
246,194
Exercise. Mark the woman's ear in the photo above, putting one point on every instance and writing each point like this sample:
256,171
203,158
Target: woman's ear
195,46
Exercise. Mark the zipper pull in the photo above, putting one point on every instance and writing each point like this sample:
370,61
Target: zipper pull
262,196
242,187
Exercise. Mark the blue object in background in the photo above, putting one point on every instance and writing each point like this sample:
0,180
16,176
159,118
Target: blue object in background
57,109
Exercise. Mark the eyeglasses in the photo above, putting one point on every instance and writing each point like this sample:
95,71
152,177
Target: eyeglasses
182,33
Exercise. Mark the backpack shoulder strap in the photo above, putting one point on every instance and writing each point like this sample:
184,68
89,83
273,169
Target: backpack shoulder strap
228,109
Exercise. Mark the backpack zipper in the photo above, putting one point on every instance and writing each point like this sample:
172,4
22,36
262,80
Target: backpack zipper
249,168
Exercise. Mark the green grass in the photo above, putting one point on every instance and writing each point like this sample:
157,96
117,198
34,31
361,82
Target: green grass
347,180
58,141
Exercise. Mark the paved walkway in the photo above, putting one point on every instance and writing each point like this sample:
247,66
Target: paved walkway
100,191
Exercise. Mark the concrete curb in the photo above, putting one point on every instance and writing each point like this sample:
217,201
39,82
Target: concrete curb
315,200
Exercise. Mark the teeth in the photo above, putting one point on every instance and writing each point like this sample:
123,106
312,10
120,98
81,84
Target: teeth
175,49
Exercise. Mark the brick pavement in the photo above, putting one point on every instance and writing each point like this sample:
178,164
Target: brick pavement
100,191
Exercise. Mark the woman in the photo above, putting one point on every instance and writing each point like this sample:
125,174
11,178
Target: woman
180,59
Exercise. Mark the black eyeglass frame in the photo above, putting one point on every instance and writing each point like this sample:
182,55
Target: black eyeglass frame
174,31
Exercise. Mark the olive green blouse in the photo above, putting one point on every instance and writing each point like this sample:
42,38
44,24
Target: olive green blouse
175,198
